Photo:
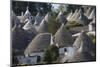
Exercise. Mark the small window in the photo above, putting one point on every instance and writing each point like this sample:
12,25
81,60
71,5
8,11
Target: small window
65,50
38,59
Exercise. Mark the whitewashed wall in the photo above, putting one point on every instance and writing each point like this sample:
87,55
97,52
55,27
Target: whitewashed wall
32,59
70,52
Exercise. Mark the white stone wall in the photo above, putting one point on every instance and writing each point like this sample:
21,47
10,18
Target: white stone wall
41,54
90,27
69,54
32,59
61,50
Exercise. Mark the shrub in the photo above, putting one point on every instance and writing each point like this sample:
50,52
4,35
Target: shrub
93,38
51,54
73,24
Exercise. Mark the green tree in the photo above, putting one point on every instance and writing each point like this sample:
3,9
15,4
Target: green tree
51,54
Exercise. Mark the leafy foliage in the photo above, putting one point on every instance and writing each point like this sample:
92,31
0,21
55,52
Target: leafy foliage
51,54
73,24
93,38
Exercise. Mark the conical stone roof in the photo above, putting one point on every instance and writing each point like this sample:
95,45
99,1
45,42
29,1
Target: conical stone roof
38,19
43,28
14,19
77,14
39,43
63,37
84,48
69,16
92,15
19,38
61,18
29,27
88,12
27,15
83,42
73,16
47,17
83,19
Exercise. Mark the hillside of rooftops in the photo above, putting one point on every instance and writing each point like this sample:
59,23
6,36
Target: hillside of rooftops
19,8
36,26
